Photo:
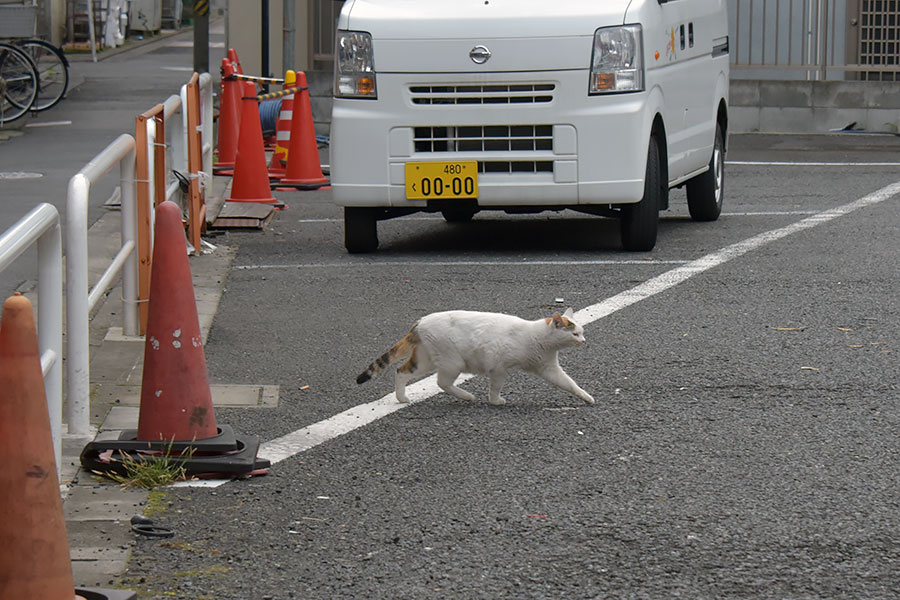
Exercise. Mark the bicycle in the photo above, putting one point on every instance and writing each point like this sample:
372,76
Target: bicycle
19,83
53,71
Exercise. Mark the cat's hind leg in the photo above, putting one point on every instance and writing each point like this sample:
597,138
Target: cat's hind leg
555,375
445,381
419,363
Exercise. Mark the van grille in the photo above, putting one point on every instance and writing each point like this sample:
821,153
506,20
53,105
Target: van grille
516,166
515,93
484,138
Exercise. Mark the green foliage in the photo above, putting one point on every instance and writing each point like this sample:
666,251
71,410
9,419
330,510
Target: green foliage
151,471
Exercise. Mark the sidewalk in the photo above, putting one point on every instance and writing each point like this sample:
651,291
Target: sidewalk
102,101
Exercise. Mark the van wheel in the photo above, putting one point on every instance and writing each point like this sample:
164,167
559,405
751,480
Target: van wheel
705,191
458,215
640,221
360,229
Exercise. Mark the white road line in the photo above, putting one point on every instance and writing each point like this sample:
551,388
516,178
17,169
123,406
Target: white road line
457,263
303,439
759,213
776,163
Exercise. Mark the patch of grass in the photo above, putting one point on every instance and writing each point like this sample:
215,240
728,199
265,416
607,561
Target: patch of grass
163,469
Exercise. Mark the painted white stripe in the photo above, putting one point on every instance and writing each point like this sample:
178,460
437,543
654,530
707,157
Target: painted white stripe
177,68
303,439
756,213
457,263
49,124
763,163
189,44
283,135
285,115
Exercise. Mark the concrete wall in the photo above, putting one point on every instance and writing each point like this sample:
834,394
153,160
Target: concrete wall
813,106
242,31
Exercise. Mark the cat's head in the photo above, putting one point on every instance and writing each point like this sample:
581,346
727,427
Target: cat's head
568,331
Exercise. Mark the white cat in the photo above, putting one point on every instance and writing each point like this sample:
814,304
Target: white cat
460,341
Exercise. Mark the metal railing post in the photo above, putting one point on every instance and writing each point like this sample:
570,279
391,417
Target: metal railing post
40,227
80,301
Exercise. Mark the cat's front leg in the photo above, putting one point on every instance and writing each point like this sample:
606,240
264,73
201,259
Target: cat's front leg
561,379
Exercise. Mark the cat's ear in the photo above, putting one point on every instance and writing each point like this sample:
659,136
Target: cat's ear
569,313
557,320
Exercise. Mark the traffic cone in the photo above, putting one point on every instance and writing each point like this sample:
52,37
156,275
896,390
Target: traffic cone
229,121
304,169
176,415
233,57
34,555
176,404
251,179
278,164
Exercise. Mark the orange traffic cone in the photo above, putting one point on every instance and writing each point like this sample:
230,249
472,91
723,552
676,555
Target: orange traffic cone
176,403
278,164
233,57
229,121
303,166
251,179
34,555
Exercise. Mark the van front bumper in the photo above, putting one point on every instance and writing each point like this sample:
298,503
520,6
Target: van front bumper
554,148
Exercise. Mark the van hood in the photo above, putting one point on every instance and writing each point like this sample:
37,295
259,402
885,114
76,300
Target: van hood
449,19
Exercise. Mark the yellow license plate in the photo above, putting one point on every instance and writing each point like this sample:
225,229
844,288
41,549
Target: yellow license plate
429,180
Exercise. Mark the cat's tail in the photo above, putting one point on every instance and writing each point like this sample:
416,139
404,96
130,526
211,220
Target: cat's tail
398,351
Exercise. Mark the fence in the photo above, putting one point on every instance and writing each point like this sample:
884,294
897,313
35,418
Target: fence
41,227
142,166
80,301
815,39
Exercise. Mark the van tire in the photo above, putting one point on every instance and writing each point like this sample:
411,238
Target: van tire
706,191
360,229
640,221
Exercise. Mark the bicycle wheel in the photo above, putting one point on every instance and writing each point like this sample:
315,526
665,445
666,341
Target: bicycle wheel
18,83
53,71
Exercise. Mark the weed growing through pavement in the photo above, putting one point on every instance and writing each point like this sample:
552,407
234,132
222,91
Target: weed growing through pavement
163,469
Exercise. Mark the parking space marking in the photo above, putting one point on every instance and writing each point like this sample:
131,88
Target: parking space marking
758,213
779,163
459,263
303,439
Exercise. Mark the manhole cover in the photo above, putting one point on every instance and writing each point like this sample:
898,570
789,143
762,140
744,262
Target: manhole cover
19,175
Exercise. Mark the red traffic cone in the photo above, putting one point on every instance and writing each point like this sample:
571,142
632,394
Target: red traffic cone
233,57
303,166
34,555
229,121
251,179
176,404
278,164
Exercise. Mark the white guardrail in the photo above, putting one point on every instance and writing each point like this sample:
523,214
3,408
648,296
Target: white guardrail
41,227
80,301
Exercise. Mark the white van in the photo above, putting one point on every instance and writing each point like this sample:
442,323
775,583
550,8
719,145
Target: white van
599,106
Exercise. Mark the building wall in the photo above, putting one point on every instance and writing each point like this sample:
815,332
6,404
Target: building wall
242,32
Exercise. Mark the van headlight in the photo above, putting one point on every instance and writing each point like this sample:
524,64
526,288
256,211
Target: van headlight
617,63
354,65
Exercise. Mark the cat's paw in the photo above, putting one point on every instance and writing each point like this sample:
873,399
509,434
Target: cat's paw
498,401
402,399
588,399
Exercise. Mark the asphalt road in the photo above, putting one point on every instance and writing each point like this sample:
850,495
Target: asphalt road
743,444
